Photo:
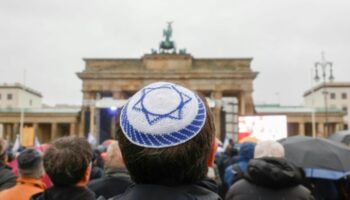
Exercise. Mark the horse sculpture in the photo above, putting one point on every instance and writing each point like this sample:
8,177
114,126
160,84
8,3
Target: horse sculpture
167,44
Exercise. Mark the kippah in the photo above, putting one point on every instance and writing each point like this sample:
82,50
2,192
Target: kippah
161,115
29,159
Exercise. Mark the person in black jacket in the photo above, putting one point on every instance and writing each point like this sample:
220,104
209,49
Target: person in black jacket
116,177
68,163
7,177
97,165
165,135
270,177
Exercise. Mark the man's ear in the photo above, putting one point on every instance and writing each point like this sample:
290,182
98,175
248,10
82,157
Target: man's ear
84,181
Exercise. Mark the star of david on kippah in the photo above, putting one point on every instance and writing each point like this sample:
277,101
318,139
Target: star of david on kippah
152,117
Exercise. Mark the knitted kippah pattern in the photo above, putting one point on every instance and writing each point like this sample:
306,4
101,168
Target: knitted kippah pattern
161,115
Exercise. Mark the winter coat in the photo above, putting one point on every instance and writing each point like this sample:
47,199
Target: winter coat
114,182
7,177
96,173
65,193
246,153
24,189
270,179
204,190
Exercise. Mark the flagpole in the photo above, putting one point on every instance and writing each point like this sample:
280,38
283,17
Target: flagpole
22,105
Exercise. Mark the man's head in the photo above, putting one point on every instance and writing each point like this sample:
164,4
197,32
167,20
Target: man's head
114,158
67,161
166,134
30,164
269,149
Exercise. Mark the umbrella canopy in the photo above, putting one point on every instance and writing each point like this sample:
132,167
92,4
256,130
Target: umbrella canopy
324,173
308,152
296,138
342,136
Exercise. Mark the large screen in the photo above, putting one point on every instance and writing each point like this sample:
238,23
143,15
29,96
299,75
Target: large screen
265,127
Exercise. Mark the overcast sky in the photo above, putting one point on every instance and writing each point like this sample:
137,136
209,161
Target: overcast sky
285,38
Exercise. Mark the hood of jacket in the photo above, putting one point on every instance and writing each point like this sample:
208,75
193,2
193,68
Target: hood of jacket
274,173
246,152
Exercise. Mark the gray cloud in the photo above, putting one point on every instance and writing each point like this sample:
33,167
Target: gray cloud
285,38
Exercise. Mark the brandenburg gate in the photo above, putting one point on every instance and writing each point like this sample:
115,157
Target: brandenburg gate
118,79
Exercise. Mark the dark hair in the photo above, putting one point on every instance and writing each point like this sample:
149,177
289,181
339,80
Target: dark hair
182,164
29,159
67,159
30,164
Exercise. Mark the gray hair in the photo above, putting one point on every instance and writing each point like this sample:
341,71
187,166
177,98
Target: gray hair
269,149
35,173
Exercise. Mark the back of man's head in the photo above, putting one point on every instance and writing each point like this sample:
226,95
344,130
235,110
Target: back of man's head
30,164
165,135
114,158
269,149
67,160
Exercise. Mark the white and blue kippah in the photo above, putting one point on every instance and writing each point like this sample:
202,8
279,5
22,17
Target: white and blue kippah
161,115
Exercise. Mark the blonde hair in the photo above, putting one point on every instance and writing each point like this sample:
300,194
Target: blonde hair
269,148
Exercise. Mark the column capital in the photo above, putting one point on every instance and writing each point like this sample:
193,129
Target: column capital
118,94
216,94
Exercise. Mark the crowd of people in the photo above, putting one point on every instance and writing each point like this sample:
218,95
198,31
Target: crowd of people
165,148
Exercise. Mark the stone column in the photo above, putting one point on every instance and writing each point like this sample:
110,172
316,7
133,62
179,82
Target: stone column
53,131
242,104
338,127
92,121
88,101
301,128
82,122
15,131
72,129
320,129
246,105
8,131
217,95
4,132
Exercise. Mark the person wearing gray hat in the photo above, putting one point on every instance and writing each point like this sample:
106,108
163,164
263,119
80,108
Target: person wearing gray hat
270,176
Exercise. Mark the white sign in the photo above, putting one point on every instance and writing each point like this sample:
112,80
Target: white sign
266,127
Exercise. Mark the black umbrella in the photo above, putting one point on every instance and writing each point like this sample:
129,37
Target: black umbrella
342,136
317,153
